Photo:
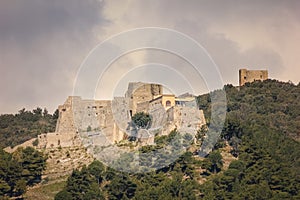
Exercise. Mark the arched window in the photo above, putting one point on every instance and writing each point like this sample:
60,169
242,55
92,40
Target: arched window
168,103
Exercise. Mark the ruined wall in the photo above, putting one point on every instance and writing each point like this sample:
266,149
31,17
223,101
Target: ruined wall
248,76
55,140
77,115
140,92
184,119
65,122
142,107
145,137
166,100
93,115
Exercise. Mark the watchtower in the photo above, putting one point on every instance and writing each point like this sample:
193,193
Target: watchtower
248,76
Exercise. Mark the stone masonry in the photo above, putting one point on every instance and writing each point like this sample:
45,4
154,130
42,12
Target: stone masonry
248,76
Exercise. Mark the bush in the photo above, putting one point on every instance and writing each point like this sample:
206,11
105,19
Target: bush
141,120
35,142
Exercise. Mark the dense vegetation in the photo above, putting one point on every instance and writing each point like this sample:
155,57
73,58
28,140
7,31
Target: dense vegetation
98,182
141,120
20,169
18,128
262,126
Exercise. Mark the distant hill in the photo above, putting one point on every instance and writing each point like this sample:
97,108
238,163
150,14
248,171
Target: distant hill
18,128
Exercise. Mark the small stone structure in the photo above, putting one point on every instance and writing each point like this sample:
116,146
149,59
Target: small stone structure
248,76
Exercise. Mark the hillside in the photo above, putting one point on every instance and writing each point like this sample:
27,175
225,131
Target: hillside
271,103
263,127
262,131
18,128
257,156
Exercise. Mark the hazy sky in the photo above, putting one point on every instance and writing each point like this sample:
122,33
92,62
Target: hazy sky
44,42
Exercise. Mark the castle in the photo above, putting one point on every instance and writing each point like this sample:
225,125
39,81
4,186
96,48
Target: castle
88,129
106,122
248,76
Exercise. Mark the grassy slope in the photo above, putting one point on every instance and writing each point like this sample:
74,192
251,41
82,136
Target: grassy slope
45,192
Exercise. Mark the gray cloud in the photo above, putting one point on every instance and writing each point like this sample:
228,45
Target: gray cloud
42,43
26,21
237,34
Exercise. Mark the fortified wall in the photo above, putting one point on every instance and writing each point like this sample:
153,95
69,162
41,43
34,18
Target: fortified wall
80,115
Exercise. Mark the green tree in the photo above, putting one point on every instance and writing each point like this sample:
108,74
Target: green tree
38,111
141,120
18,128
121,187
63,195
45,112
20,187
82,185
35,142
20,169
215,160
4,188
97,169
55,114
33,163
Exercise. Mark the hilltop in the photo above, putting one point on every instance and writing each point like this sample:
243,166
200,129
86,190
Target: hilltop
256,157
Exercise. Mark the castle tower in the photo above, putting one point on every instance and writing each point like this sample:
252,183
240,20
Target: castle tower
139,93
248,76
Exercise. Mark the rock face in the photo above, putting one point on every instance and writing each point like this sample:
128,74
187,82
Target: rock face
62,161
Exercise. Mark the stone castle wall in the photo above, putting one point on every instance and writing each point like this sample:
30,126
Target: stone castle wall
184,119
109,118
65,122
78,115
55,140
140,92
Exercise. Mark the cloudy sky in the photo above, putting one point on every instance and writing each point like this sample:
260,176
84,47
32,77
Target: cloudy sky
43,43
